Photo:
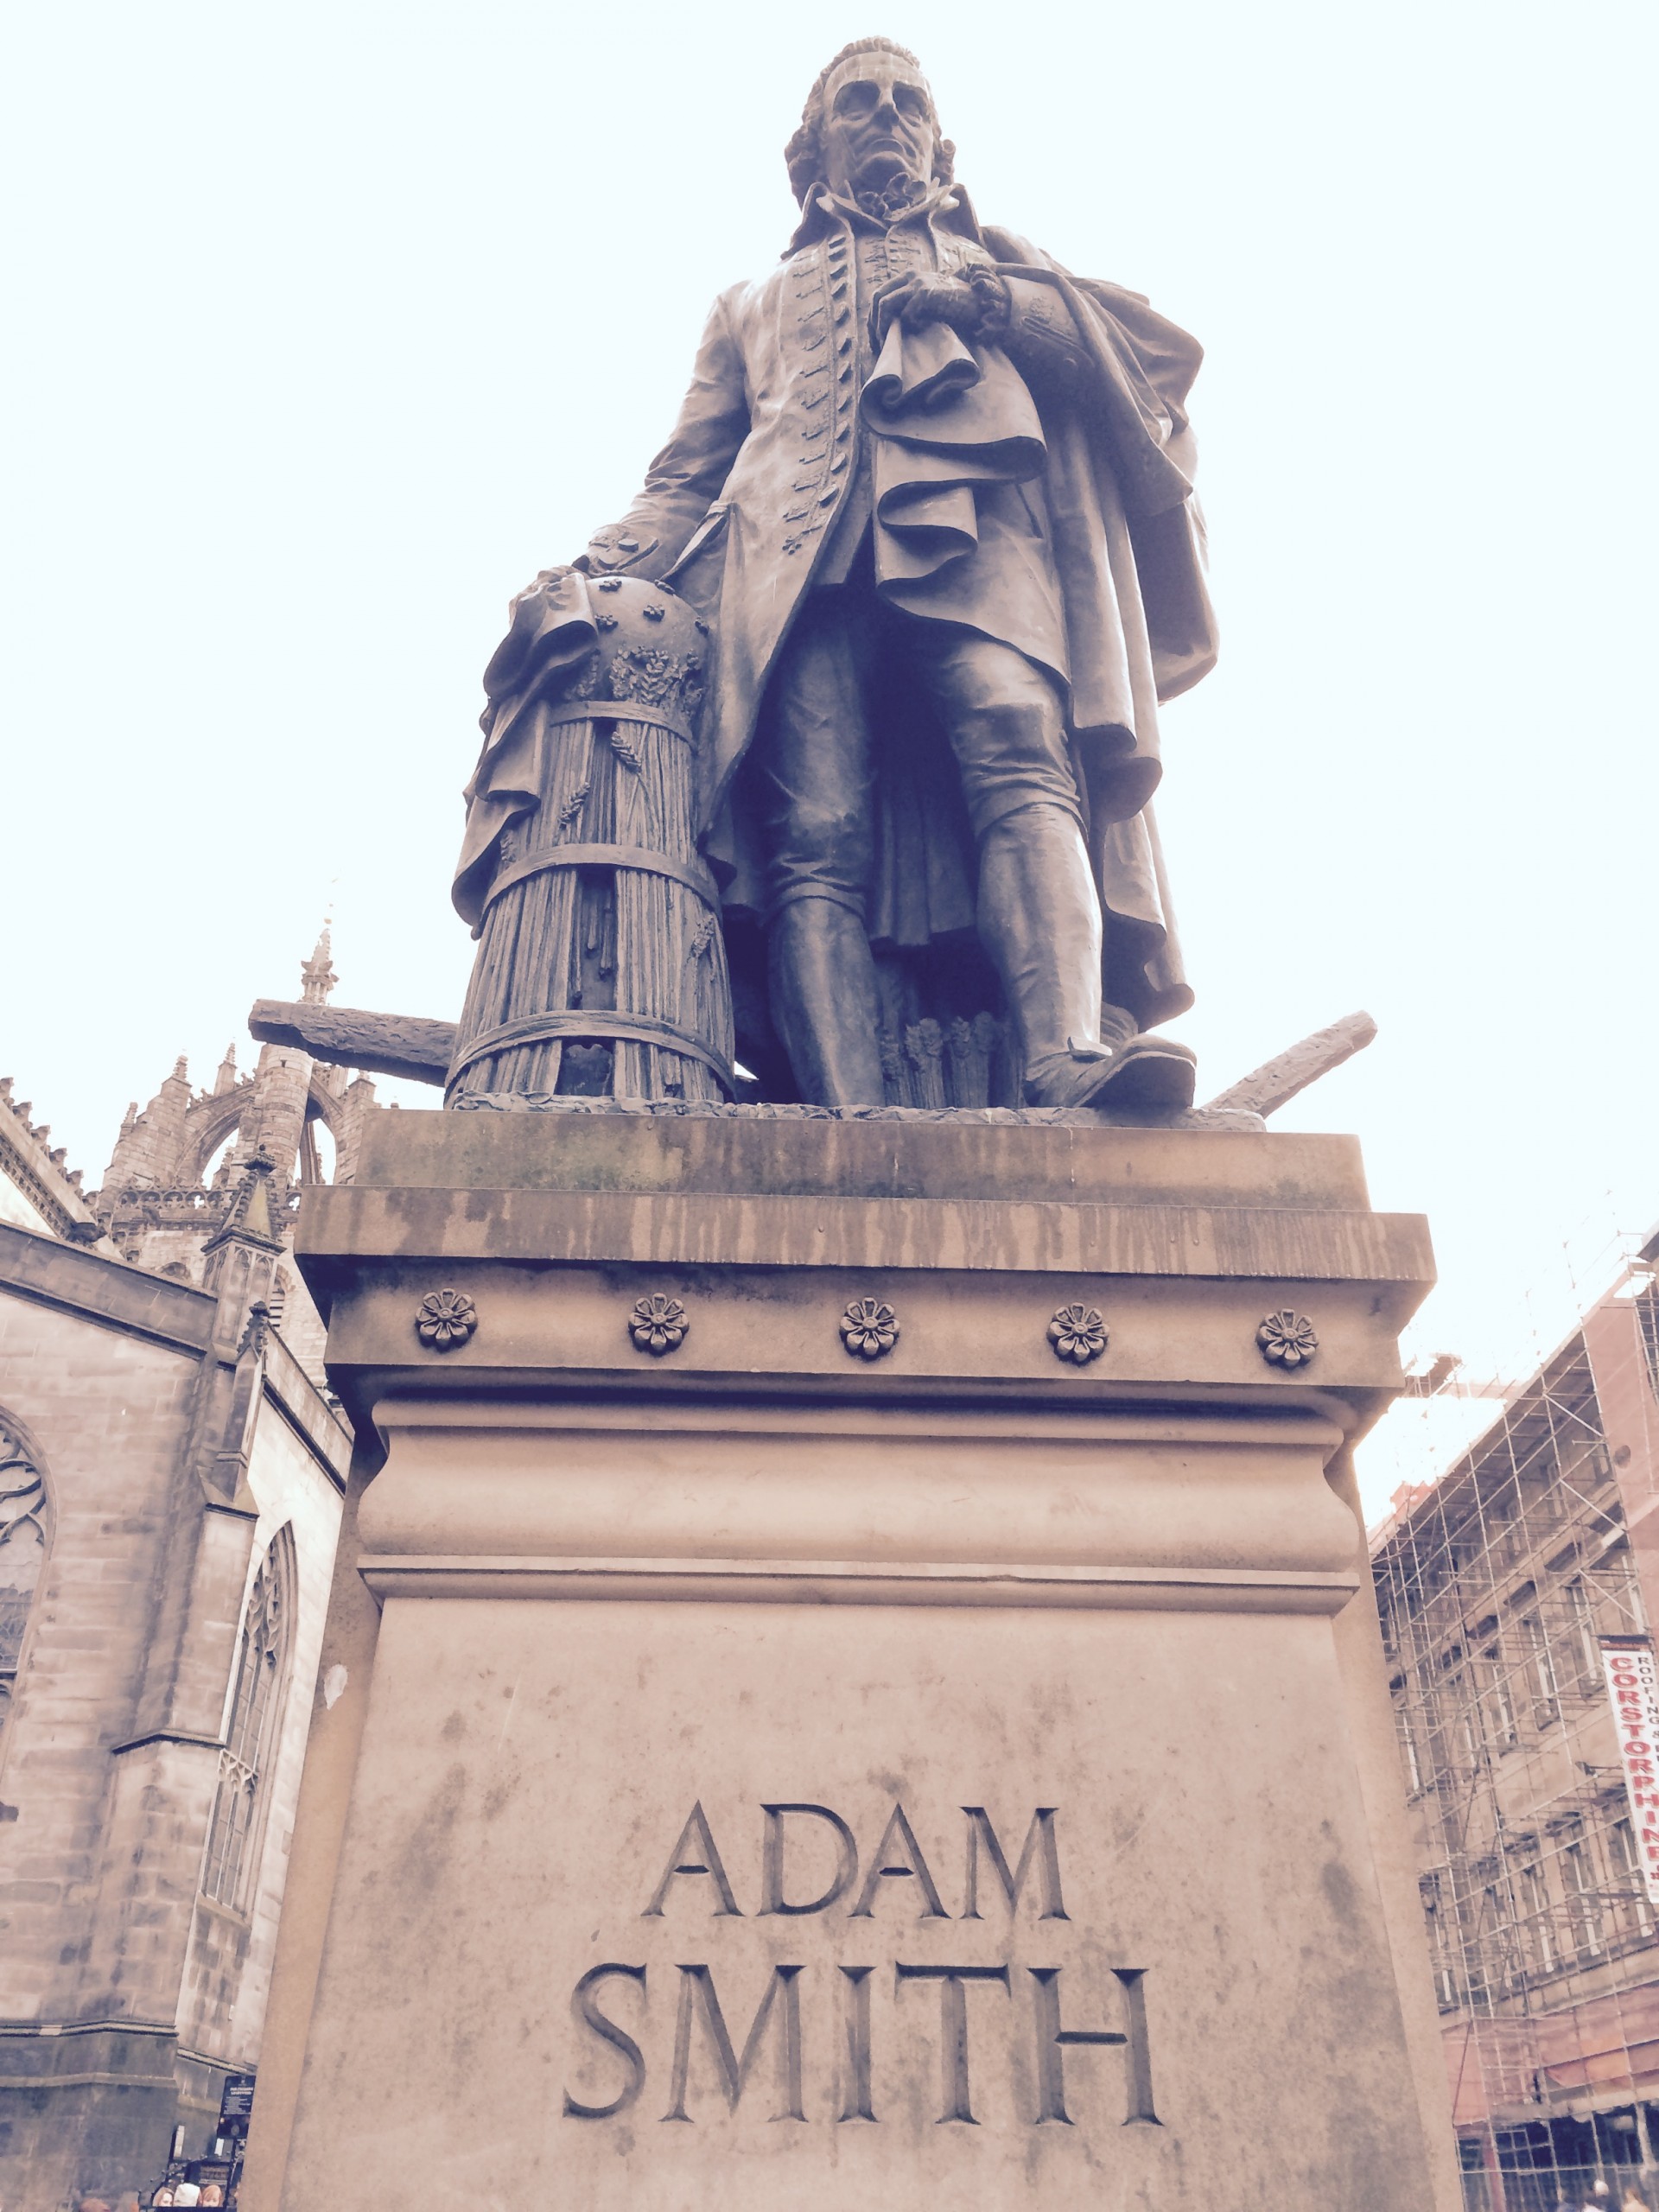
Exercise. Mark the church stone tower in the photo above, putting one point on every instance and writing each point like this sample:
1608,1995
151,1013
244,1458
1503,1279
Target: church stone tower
173,1178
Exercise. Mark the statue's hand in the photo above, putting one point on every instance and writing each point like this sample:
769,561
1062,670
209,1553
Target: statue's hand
919,299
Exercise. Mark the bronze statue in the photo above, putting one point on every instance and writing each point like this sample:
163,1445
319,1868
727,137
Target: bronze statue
932,496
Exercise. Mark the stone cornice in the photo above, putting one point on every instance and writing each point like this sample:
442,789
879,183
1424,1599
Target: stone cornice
105,1292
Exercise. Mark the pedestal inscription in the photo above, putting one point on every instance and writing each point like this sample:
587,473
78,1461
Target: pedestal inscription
705,1905
845,2006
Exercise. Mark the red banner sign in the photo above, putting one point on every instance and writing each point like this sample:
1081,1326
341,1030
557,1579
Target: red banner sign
1633,1688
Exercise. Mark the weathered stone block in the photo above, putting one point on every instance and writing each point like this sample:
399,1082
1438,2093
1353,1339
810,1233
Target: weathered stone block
795,1775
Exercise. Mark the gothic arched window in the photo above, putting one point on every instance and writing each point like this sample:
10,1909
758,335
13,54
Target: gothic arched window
254,1727
25,1533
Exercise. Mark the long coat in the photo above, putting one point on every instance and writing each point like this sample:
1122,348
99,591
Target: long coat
738,507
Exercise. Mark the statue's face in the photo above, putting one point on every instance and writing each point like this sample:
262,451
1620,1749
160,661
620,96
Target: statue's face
878,125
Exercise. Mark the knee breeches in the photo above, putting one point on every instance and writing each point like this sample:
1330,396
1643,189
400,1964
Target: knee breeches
817,755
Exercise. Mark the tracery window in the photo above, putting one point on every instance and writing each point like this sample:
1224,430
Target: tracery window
25,1535
254,1728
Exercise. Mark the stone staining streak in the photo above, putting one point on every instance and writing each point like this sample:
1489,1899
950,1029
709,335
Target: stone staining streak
869,1328
445,1320
1287,1339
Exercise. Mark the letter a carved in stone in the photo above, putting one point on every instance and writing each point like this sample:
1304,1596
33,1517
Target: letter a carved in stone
694,1854
897,1836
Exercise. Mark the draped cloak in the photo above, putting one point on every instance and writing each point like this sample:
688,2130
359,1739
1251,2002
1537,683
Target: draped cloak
737,511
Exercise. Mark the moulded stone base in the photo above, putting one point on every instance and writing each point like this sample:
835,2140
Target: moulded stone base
782,1778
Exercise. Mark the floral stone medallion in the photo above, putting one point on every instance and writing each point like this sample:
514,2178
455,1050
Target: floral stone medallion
869,1328
658,1323
445,1318
1287,1339
1078,1333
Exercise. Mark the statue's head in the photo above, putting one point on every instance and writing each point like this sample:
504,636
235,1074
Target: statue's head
869,121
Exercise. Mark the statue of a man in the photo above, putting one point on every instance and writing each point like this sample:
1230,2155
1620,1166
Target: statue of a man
934,497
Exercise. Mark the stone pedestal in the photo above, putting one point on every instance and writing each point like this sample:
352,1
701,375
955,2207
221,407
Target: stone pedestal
828,1741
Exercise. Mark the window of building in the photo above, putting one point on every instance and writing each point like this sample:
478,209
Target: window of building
1441,1946
1459,1748
1541,1671
25,1535
1583,1897
1632,1911
1647,1315
254,1727
1409,1751
1490,1951
1586,1650
1500,1711
1595,1470
1540,1934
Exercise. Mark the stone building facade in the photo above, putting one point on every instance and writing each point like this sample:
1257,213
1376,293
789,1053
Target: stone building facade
171,1470
1497,1585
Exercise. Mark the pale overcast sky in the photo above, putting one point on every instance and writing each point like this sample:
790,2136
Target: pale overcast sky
330,324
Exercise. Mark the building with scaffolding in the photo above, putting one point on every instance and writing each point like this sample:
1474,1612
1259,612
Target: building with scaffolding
1499,1586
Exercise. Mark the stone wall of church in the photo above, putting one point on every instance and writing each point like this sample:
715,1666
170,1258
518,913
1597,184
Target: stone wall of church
126,1992
125,1995
107,1401
228,1973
